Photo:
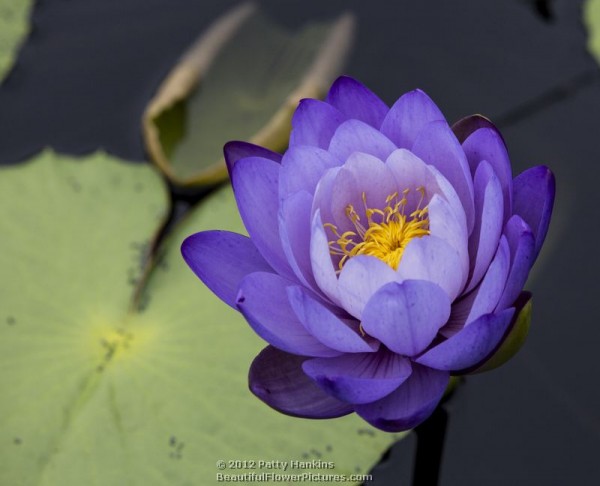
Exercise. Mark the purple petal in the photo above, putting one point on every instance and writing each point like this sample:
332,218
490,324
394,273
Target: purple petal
372,177
255,185
533,199
513,338
360,278
359,378
302,167
342,191
356,136
487,144
221,260
522,254
263,300
278,380
444,224
489,208
489,291
471,345
294,228
406,316
432,259
362,174
411,172
322,266
437,145
235,151
323,193
484,298
466,126
356,101
314,123
410,404
408,116
323,324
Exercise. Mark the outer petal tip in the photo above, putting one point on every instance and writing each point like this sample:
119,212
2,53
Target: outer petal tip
357,101
534,192
277,379
236,150
222,259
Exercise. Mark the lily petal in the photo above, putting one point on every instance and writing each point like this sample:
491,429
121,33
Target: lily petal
444,224
406,316
437,145
236,150
432,259
294,229
322,266
356,136
522,254
410,172
410,404
484,298
467,125
302,167
256,185
357,101
533,199
263,301
489,208
277,379
470,346
359,378
314,122
359,279
408,116
487,144
221,259
323,324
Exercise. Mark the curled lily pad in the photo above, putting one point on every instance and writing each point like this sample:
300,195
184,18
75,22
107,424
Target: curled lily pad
110,378
240,81
14,26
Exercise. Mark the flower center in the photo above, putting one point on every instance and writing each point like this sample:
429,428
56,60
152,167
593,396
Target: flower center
386,233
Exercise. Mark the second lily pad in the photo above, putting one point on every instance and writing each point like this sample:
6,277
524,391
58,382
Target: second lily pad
241,81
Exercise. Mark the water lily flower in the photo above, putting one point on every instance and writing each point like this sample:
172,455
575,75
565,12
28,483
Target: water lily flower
387,251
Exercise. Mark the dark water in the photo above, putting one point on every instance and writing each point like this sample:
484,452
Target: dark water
90,66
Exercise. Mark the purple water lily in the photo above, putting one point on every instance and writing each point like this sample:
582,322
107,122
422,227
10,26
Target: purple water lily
387,252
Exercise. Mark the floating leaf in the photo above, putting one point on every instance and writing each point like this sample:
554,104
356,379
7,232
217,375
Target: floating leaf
591,17
14,26
97,391
241,81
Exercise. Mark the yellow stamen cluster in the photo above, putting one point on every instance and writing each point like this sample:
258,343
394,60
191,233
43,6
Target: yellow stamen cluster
386,233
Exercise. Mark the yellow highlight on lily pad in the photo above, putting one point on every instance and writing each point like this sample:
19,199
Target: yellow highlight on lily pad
117,366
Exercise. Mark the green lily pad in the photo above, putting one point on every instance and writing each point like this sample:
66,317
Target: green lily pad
241,80
106,382
14,26
591,18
